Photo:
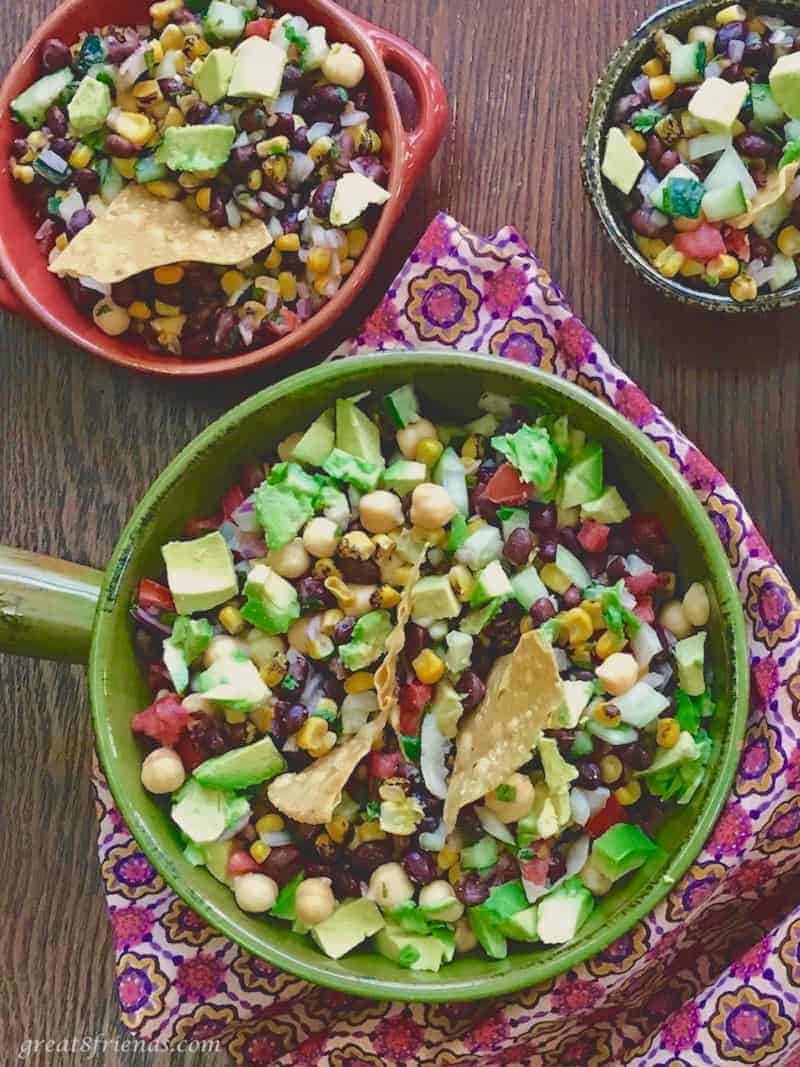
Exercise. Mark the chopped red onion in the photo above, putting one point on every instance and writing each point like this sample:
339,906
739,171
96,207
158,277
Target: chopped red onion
736,51
317,130
301,167
284,105
353,118
713,70
150,622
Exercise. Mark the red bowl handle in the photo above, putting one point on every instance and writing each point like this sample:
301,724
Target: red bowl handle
425,82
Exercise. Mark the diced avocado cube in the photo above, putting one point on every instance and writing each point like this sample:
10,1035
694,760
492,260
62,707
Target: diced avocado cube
357,472
199,812
577,695
557,772
688,63
623,848
200,573
690,658
766,109
641,705
410,917
481,547
564,911
717,103
491,582
196,147
683,751
233,682
583,479
272,603
505,900
31,107
403,476
459,651
317,442
622,164
784,81
570,565
281,513
352,922
528,587
476,621
402,406
189,638
242,767
357,434
214,76
523,926
89,107
368,640
608,508
223,21
433,598
257,70
353,195
481,855
485,928
215,856
415,951
785,271
303,484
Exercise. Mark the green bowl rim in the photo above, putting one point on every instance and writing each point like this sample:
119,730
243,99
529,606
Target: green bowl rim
605,92
733,625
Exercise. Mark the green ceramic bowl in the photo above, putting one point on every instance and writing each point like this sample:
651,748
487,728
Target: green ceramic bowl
46,609
609,202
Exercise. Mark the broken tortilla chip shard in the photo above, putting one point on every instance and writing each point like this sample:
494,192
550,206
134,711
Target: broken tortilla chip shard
778,181
522,691
311,795
141,232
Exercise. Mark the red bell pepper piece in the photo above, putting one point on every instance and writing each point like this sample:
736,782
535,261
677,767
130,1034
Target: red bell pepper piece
199,527
703,244
737,242
506,487
153,596
241,862
232,499
641,585
384,765
593,536
607,817
644,610
414,698
259,28
535,870
164,721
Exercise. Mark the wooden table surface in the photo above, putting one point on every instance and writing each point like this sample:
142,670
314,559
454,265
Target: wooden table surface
81,441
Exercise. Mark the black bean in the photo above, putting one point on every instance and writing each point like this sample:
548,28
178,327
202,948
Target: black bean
313,595
124,293
292,76
588,774
322,198
217,215
79,221
170,87
55,55
118,51
420,867
359,571
120,146
19,147
253,119
295,678
373,169
753,144
87,182
56,120
472,890
198,113
543,518
572,597
732,31
345,884
616,570
343,630
635,756
557,867
518,546
626,105
506,870
283,863
471,688
62,146
542,610
367,857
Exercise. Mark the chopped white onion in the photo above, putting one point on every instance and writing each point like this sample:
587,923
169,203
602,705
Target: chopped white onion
356,709
132,69
234,215
657,218
708,144
98,287
595,798
353,118
284,105
317,130
580,806
274,227
434,842
645,644
71,203
434,747
576,855
242,140
276,838
168,67
493,826
272,201
762,275
635,565
561,658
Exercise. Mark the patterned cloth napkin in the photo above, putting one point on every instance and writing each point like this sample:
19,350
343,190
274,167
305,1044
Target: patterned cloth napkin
711,976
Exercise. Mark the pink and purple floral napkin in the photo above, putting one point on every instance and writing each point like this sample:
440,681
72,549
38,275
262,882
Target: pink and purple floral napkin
711,977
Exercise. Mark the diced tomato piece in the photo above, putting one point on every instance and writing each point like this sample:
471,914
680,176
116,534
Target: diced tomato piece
199,527
241,862
644,610
232,499
535,870
384,765
164,721
640,585
153,596
593,536
414,698
609,816
259,28
737,242
506,487
704,243
190,752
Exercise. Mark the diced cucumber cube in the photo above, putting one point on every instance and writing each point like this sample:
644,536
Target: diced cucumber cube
721,204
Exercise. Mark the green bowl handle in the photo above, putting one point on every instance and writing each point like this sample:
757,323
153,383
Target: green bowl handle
47,606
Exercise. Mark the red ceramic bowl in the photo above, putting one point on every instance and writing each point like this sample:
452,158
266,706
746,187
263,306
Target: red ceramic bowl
30,289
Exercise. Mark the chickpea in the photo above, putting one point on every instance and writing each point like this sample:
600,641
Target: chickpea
343,66
431,506
291,561
263,648
314,901
321,537
594,880
695,604
110,318
162,771
441,896
673,618
465,939
300,633
706,34
288,445
255,892
410,436
618,673
220,647
521,800
390,886
380,511
362,599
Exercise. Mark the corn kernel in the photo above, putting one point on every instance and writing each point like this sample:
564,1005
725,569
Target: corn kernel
429,451
554,578
346,267
276,168
172,117
384,598
446,857
235,717
691,126
723,267
344,597
139,310
653,68
125,167
357,545
461,582
608,644
607,714
136,128
329,621
669,130
147,92
80,156
661,87
635,140
738,128
259,851
628,794
706,34
525,624
667,733
270,824
692,268
36,140
172,38
273,260
732,13
455,874
370,831
172,275
789,241
61,241
578,624
288,284
756,25
288,242
610,769
436,536
320,148
594,609
356,241
650,247
337,829
321,283
231,619
164,190
319,260
199,48
669,262
273,146
232,281
262,719
167,311
311,733
428,667
23,174
361,682
203,198
326,568
273,674
743,288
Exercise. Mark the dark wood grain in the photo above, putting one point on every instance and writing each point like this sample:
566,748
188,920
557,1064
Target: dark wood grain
81,442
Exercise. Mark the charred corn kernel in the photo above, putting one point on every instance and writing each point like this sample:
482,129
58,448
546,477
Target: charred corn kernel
276,168
169,275
169,311
270,824
255,180
525,624
23,174
61,242
428,667
357,545
356,241
446,857
80,156
724,267
743,288
321,647
610,769
203,198
629,793
346,267
232,281
732,13
384,546
311,733
344,597
789,240
147,92
36,140
262,718
156,50
473,447
273,146
169,325
436,536
172,38
288,284
669,262
402,575
288,242
384,598
140,311
554,578
125,167
578,624
370,831
608,644
273,674
581,656
133,126
429,451
594,609
199,48
692,268
337,829
650,247
635,140
273,260
667,733
235,717
461,582
172,117
360,682
653,68
259,851
231,619
669,130
164,190
455,874
321,283
320,148
324,845
662,87
319,260
607,714
326,568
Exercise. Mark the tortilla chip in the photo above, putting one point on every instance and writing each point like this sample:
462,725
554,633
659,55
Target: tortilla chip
522,691
777,184
140,232
386,674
